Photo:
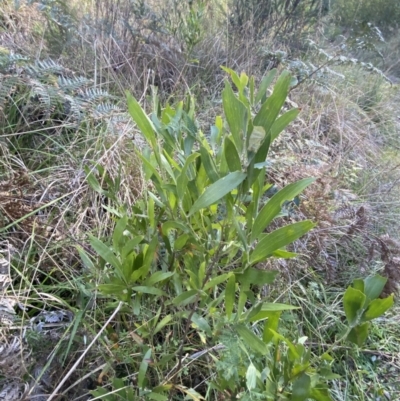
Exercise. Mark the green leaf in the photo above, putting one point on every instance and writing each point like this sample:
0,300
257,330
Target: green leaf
216,191
373,286
265,83
275,307
141,120
278,239
148,290
185,298
255,276
156,396
143,368
301,388
92,180
209,165
353,303
235,78
272,208
377,308
216,280
251,340
201,323
157,277
320,394
130,246
230,295
183,179
231,156
119,232
282,122
237,116
256,139
107,254
271,325
162,323
87,262
358,284
270,109
359,334
251,377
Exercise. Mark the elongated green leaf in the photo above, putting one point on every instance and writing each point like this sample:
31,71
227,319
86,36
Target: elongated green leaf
185,298
282,122
148,290
234,76
251,340
271,325
230,295
353,303
157,277
373,286
278,239
87,262
237,116
216,281
277,307
232,156
107,254
272,208
118,233
130,246
141,119
208,164
162,324
251,377
265,83
216,191
183,179
255,276
377,308
143,368
270,109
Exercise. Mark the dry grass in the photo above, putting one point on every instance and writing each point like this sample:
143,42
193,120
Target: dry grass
345,137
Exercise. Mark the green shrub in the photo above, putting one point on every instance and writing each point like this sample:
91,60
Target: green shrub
187,259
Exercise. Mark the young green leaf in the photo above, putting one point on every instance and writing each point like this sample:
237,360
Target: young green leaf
143,368
232,156
373,286
141,119
272,208
251,340
216,191
107,254
265,83
251,377
377,308
353,303
270,109
278,239
237,116
255,276
282,122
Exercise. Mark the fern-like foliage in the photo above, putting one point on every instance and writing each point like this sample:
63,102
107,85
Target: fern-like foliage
45,93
